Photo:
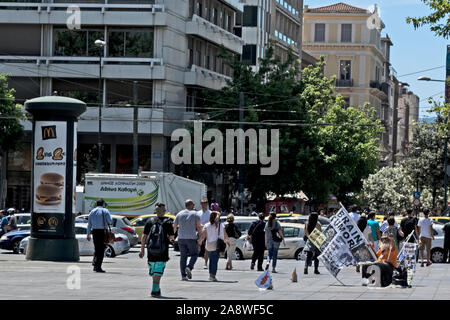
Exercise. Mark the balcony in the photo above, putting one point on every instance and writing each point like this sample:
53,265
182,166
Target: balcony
90,13
211,32
198,76
375,84
344,83
83,67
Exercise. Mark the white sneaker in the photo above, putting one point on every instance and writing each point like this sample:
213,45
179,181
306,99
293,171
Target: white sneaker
188,273
184,279
213,279
205,266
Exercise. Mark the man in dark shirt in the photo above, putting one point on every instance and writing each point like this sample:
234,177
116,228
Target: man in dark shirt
446,230
157,262
408,225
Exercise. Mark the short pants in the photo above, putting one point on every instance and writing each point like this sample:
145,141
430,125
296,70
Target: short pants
424,242
156,268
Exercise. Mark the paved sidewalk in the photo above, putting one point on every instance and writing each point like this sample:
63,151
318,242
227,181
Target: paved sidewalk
127,278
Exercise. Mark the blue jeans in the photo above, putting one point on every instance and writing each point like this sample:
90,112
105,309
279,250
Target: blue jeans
213,262
272,248
188,247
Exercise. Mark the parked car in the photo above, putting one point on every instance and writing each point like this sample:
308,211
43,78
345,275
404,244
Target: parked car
293,234
138,223
301,219
121,243
437,245
11,240
23,221
123,223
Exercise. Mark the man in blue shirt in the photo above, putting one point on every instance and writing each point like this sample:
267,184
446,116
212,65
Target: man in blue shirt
4,221
96,223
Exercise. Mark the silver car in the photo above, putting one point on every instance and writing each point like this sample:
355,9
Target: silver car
293,235
121,243
122,223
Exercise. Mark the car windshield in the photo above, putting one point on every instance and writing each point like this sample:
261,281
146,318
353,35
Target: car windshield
24,220
126,221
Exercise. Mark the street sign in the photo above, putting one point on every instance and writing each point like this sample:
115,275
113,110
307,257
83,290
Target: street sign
416,195
416,202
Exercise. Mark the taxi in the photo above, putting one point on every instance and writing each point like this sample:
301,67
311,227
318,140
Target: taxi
139,222
440,219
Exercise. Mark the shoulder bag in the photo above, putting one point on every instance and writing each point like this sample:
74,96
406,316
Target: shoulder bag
221,245
108,236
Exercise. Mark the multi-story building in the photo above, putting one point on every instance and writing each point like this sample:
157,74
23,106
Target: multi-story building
350,39
276,20
158,55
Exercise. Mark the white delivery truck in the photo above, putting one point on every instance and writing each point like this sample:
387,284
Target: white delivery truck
133,195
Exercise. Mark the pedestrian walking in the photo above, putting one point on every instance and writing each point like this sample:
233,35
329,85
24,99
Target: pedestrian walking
234,234
256,235
273,239
212,232
394,229
312,252
354,213
187,223
375,227
446,230
408,225
425,228
158,233
3,221
12,223
204,214
98,220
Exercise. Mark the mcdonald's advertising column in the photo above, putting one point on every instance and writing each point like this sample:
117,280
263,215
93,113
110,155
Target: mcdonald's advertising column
54,178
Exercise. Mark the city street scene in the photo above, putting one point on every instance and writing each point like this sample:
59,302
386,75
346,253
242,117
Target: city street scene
224,150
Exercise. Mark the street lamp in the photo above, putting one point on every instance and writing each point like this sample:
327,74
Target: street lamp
100,44
424,78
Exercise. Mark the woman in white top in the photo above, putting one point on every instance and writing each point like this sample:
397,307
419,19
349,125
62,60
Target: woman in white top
212,231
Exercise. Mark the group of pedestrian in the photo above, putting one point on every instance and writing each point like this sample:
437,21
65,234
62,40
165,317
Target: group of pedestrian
8,221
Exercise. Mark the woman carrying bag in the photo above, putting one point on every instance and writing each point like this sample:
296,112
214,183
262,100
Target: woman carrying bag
216,237
314,252
234,234
274,237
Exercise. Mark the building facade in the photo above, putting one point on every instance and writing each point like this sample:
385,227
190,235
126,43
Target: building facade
159,54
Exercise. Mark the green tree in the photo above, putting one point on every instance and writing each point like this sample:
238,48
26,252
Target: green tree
438,19
11,131
425,162
310,154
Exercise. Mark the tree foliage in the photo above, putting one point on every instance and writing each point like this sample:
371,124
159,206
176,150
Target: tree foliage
438,19
11,131
314,158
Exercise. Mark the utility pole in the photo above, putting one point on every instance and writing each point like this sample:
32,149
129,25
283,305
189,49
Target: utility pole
395,121
241,167
135,127
101,45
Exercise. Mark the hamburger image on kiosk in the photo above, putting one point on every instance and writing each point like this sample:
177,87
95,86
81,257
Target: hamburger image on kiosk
48,194
52,178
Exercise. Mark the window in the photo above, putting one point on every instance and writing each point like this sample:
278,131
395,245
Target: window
214,16
250,18
291,232
76,43
319,34
345,70
346,33
130,43
249,54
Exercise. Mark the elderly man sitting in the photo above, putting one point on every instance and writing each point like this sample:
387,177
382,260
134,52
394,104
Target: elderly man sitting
386,263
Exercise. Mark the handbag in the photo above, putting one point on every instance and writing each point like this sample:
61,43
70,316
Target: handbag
108,237
275,235
221,246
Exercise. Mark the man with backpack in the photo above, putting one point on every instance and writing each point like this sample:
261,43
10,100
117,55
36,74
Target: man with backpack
158,232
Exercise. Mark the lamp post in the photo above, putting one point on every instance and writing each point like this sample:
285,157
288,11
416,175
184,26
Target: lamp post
425,78
100,44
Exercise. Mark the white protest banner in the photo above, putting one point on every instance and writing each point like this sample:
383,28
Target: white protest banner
336,256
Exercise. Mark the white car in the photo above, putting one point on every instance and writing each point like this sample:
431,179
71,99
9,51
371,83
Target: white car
437,245
293,235
121,243
122,223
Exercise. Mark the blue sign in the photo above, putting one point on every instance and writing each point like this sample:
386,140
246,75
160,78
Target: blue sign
416,195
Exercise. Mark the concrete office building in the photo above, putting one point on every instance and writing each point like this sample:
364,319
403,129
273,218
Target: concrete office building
158,55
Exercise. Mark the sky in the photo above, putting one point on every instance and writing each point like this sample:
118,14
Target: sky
413,50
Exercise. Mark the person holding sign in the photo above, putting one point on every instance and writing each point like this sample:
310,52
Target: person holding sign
314,252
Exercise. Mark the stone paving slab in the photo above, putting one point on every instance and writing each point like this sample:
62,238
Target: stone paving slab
127,279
